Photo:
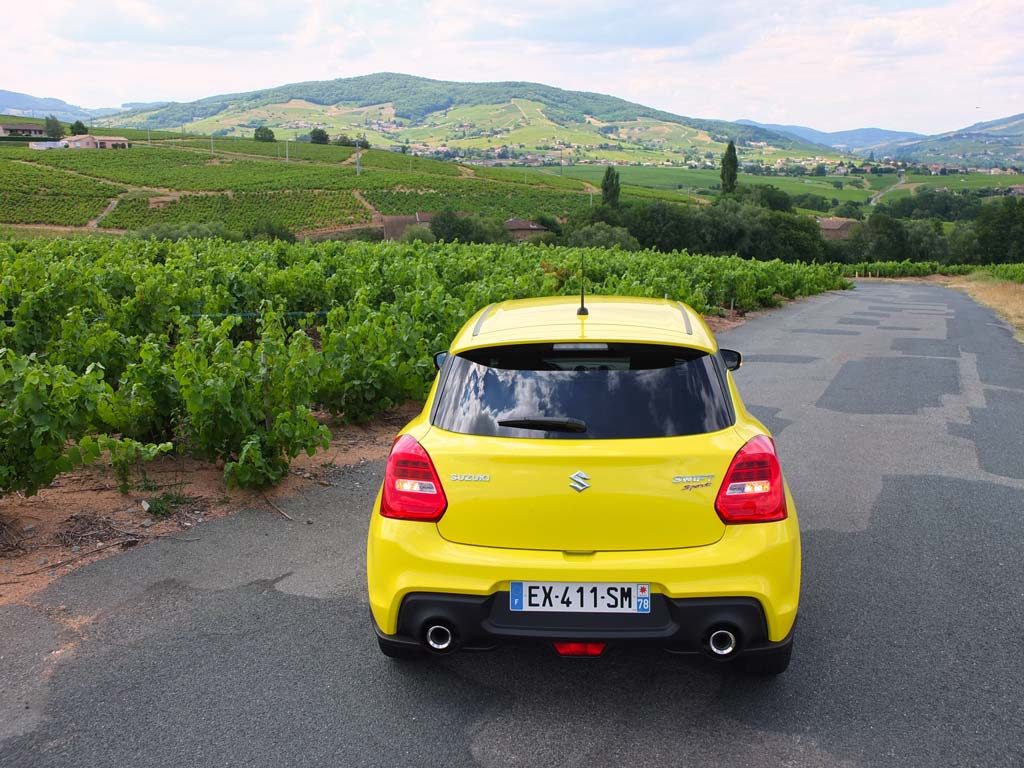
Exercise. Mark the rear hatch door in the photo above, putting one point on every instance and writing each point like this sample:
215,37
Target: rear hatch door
582,496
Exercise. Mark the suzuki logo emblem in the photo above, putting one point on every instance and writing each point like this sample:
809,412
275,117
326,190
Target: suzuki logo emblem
578,481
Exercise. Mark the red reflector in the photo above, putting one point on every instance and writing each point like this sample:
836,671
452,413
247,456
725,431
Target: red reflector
579,649
412,488
752,491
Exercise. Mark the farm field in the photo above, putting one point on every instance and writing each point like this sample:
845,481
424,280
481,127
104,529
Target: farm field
239,212
210,345
241,181
182,181
967,181
316,153
295,117
31,192
695,180
296,150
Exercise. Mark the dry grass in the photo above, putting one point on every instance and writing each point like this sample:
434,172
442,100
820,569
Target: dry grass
86,529
1006,298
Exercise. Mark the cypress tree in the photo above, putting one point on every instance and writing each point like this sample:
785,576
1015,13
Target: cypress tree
730,167
610,187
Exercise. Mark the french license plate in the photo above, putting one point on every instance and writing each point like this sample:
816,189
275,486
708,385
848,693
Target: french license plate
575,597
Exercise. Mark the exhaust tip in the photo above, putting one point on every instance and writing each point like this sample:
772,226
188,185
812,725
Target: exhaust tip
439,637
722,643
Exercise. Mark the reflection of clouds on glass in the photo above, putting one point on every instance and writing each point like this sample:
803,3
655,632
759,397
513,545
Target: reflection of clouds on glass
676,400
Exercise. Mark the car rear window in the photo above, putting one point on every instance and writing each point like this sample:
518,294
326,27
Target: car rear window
583,391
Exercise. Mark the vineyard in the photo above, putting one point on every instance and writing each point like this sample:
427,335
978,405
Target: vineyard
239,212
318,153
1011,272
224,350
296,150
31,194
179,169
486,198
73,187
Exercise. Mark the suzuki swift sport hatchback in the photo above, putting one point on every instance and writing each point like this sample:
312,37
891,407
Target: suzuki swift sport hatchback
586,481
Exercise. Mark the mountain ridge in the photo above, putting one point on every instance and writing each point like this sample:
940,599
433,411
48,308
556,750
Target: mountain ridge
989,143
850,139
26,105
985,144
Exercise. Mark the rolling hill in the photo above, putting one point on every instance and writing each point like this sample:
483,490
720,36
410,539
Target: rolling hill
481,118
24,105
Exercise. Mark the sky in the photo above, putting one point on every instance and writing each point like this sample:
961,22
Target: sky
919,65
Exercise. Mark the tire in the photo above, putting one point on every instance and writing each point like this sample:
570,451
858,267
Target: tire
399,650
770,663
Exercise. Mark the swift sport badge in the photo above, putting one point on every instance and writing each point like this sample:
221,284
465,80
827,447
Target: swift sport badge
690,482
578,481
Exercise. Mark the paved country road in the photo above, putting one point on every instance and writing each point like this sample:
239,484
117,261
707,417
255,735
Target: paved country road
899,412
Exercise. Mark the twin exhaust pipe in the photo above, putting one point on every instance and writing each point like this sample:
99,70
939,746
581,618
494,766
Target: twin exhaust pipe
722,642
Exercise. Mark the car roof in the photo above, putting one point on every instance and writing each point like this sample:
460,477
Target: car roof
610,318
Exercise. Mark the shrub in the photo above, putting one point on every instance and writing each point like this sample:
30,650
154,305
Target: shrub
418,233
269,230
247,404
601,235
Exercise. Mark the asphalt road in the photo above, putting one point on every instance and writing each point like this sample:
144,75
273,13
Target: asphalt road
899,412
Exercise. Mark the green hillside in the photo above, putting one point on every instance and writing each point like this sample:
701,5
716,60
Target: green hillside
472,119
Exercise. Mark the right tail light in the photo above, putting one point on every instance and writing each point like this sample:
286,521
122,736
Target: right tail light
752,491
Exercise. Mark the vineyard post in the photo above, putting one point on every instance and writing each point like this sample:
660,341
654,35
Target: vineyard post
265,374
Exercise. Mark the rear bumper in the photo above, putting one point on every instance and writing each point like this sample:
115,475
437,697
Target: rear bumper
759,562
676,625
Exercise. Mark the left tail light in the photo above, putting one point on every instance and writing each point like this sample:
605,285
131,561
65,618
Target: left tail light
412,488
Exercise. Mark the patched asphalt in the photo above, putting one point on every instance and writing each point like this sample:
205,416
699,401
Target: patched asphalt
904,447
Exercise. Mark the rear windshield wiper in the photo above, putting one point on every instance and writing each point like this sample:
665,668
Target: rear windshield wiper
546,424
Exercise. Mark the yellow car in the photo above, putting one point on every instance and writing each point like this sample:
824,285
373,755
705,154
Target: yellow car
586,478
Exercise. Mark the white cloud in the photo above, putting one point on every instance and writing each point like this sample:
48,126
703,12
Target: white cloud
926,65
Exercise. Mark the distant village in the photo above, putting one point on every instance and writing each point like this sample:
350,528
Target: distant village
560,153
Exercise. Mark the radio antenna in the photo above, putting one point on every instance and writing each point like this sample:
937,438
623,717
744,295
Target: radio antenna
582,311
